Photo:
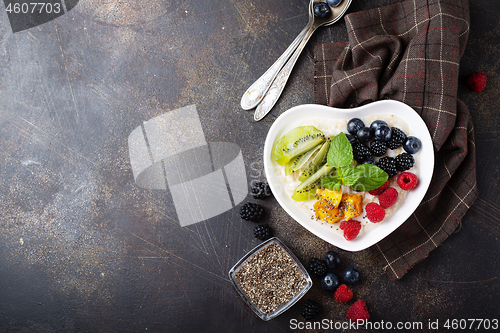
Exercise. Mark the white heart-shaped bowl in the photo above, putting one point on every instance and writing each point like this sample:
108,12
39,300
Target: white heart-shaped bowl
424,160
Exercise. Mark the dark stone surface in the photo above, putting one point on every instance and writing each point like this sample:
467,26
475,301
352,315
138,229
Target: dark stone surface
83,249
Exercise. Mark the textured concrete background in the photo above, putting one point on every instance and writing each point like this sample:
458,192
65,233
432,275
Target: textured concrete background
83,249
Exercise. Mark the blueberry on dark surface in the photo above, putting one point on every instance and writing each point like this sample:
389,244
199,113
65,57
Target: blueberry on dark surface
262,231
360,152
352,138
404,161
382,133
260,190
398,137
351,275
334,3
317,267
364,134
378,148
330,282
375,124
354,125
412,144
251,212
388,164
332,259
310,309
321,10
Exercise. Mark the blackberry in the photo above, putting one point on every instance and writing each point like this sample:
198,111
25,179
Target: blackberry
388,164
310,309
398,137
378,148
251,212
260,190
360,152
262,231
404,161
317,267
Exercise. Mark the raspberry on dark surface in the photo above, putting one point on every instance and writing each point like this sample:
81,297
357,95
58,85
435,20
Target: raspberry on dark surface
358,311
477,81
343,294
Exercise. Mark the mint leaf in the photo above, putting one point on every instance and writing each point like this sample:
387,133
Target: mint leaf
331,182
370,177
350,175
340,152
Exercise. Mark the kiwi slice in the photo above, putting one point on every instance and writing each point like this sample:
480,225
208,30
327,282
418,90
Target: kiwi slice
316,161
307,190
300,161
296,142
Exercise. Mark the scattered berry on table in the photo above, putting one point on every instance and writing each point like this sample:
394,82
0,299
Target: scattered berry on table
388,197
332,259
404,161
477,81
330,282
374,212
343,294
378,148
388,164
351,229
379,190
262,231
351,275
412,144
398,137
317,267
382,133
364,134
407,181
334,3
358,311
354,125
360,152
251,212
260,190
321,10
310,309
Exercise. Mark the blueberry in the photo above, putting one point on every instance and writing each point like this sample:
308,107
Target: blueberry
333,3
354,125
332,259
375,124
412,144
330,282
364,134
321,10
382,133
351,275
351,138
369,160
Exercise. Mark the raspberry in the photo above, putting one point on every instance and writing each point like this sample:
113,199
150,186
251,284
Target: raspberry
388,197
351,229
343,294
358,311
374,212
407,181
380,189
477,81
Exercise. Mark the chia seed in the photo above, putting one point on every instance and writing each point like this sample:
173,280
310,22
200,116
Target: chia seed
270,278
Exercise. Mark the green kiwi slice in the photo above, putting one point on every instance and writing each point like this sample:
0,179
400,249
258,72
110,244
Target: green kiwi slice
296,142
307,190
317,161
299,162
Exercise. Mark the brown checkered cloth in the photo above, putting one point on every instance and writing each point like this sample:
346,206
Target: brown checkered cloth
410,52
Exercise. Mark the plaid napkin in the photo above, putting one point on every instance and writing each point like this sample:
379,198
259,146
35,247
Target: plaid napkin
410,52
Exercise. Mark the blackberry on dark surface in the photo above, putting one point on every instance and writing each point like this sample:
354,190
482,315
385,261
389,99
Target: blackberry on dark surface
260,190
317,267
378,148
404,161
388,164
262,231
251,212
398,137
360,152
310,309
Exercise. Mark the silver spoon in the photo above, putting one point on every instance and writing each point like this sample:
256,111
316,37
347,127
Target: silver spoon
277,86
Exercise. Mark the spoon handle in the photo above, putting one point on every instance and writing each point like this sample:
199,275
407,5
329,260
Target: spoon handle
279,83
256,91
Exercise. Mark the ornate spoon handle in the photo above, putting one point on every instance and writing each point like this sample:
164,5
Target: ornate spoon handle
256,91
